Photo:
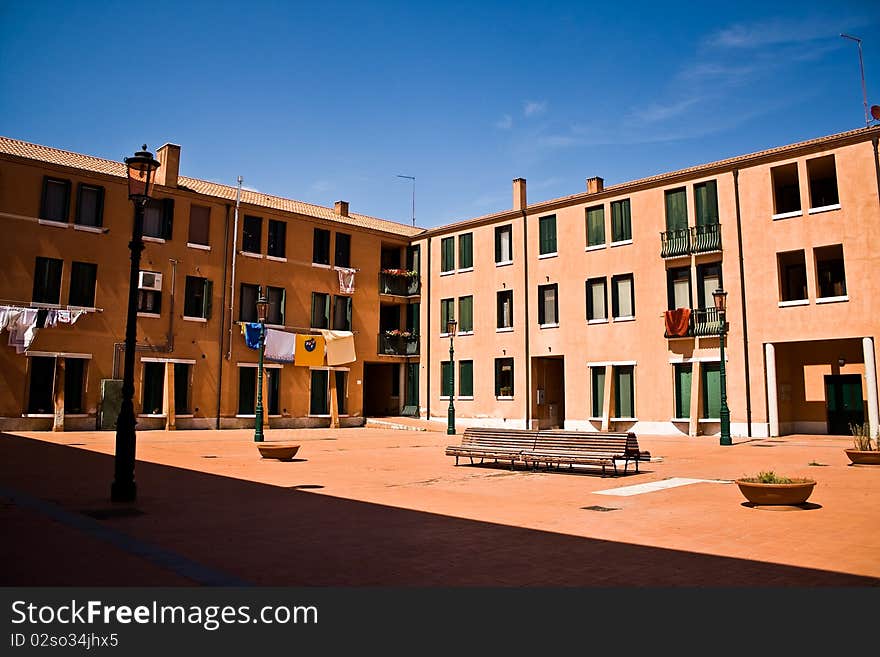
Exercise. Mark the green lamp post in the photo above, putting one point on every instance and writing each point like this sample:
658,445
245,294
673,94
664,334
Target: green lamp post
262,312
450,414
720,297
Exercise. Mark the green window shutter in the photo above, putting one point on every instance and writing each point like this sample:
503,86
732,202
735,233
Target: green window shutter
466,378
466,313
446,386
466,251
447,254
621,224
623,391
706,201
318,395
683,375
711,390
547,234
597,376
595,226
167,218
208,299
676,210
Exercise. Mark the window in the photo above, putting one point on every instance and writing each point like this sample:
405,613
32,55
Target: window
706,202
466,314
199,225
197,298
595,226
273,389
41,385
74,385
597,298
548,305
342,391
447,385
624,391
786,190
159,218
708,280
505,309
247,304
341,313
247,390
623,298
830,277
447,254
683,374
597,391
342,255
55,204
504,244
621,222
792,267
47,280
547,235
822,176
319,397
154,389
465,378
149,302
182,380
678,287
504,377
321,247
466,251
711,381
277,246
83,277
320,310
676,209
276,298
413,257
447,312
89,205
252,235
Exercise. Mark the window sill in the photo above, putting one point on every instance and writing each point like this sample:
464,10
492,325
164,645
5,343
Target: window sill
150,315
504,263
184,415
44,304
832,299
38,415
549,326
595,419
504,397
621,243
66,415
151,414
321,266
248,254
195,319
709,420
466,398
54,224
90,229
794,302
464,333
504,329
246,416
200,247
322,415
824,208
787,215
449,272
596,247
624,419
276,326
597,321
544,256
681,420
629,318
276,258
150,238
464,271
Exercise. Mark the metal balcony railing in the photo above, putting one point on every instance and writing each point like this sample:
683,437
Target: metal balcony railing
706,238
398,285
674,243
398,345
706,322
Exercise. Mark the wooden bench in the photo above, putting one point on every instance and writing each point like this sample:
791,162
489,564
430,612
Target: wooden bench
496,444
584,448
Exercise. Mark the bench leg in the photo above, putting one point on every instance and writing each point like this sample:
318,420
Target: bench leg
456,460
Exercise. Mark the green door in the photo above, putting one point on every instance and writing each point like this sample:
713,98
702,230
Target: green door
843,399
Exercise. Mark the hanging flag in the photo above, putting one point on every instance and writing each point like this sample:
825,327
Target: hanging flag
309,350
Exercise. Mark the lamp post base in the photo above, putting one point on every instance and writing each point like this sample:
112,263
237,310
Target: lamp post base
123,491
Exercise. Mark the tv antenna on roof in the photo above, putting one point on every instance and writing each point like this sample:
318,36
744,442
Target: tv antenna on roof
413,178
862,69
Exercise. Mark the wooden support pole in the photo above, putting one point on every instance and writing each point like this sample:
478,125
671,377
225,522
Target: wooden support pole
58,395
334,402
170,417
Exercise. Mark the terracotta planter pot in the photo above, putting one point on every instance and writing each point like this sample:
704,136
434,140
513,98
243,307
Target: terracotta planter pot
770,494
280,451
864,457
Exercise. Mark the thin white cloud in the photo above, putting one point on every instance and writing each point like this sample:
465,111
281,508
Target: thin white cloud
250,189
656,112
321,186
505,122
779,31
534,107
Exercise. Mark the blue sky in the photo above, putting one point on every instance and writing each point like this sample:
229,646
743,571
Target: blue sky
332,100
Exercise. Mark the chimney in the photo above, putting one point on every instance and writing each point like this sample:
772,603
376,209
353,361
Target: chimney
519,193
595,185
169,159
341,208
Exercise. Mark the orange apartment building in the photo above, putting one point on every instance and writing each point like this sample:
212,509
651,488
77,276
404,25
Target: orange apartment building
595,311
591,311
66,222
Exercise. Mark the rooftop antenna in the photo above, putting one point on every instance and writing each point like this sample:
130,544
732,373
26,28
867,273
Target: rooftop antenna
413,178
862,69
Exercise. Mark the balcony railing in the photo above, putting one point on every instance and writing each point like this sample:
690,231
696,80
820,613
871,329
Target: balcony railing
401,286
399,345
697,239
706,238
706,322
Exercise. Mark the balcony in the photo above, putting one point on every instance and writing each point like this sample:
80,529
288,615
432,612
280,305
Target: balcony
679,323
706,322
398,345
684,241
705,239
674,243
404,284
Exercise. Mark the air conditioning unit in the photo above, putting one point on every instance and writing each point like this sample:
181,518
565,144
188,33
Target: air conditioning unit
150,280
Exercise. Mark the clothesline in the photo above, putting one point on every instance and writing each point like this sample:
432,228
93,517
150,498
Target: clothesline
302,263
295,329
7,303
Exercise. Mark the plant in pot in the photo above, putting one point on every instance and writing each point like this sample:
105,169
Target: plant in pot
769,488
865,450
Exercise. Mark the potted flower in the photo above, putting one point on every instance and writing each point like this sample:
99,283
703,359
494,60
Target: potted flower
397,333
865,450
408,273
768,488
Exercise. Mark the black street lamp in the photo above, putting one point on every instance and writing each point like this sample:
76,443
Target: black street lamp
720,297
262,313
140,168
450,414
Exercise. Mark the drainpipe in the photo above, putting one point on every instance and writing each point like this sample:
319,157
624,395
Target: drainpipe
222,317
429,332
232,278
527,323
876,165
169,340
742,283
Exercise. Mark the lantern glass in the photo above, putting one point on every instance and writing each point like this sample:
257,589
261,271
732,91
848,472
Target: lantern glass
450,326
720,297
140,169
262,309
